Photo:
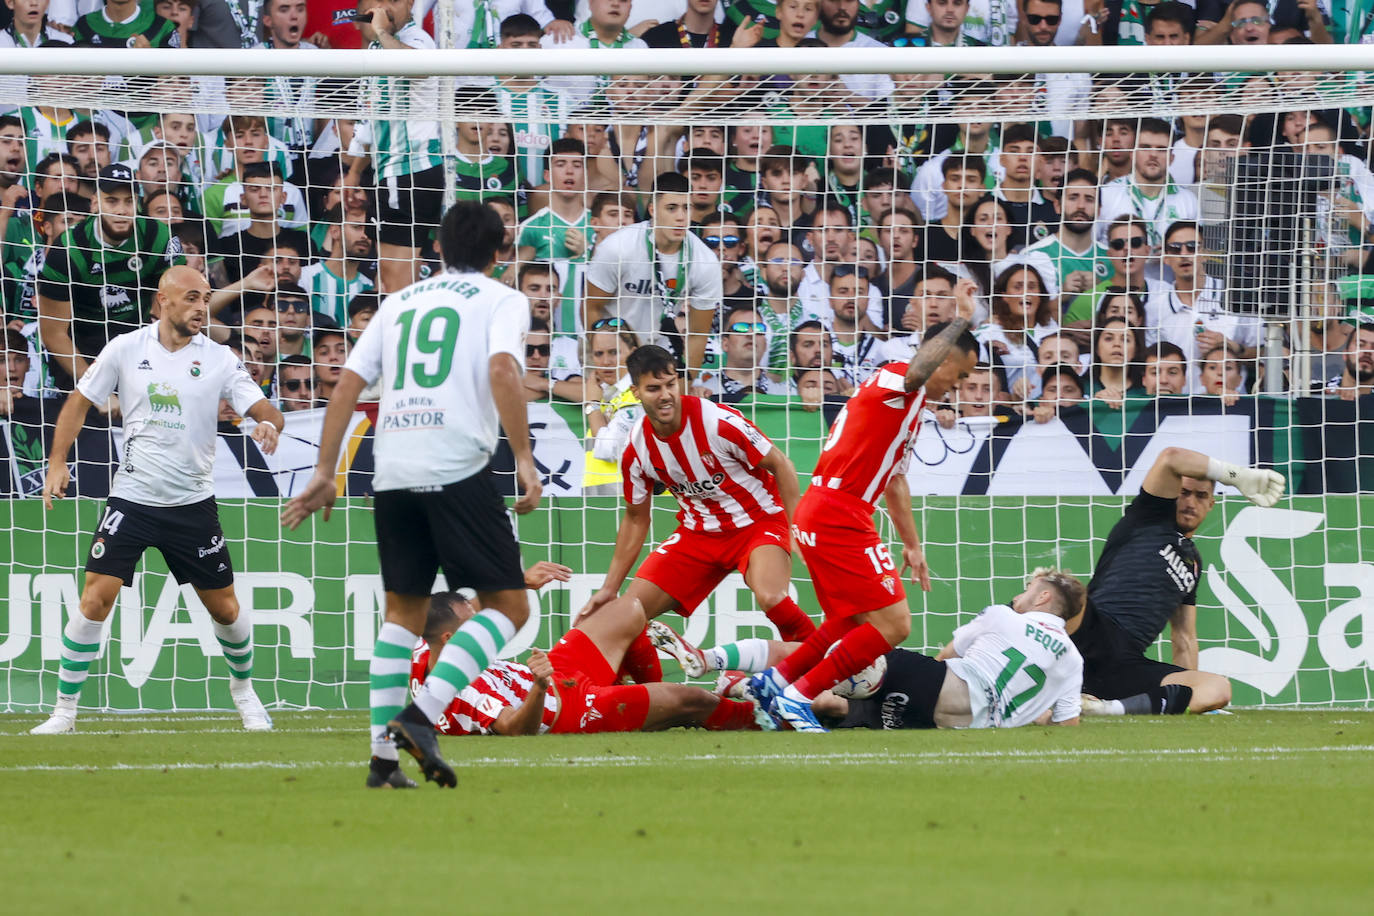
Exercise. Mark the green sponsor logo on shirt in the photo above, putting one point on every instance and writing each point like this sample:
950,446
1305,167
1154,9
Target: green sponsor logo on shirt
164,398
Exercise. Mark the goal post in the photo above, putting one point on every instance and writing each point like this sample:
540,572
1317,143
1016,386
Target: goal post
820,195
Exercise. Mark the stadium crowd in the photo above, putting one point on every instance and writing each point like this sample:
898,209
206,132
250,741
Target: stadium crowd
779,258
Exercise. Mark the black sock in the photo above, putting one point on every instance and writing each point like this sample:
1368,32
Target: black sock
1164,700
384,767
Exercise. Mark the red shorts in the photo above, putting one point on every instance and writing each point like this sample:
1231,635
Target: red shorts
851,567
589,700
688,565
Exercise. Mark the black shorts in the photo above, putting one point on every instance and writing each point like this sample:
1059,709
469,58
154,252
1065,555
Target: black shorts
409,208
1112,667
907,698
461,528
188,537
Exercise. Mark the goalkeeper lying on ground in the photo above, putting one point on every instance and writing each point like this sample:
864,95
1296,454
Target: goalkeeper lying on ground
1146,577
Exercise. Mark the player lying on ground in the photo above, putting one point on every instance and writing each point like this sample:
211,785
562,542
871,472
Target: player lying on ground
170,379
570,689
1012,665
857,583
736,494
448,351
1147,577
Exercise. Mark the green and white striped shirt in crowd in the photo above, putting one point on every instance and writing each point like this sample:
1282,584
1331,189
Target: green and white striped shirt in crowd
404,146
1352,22
219,156
331,293
537,118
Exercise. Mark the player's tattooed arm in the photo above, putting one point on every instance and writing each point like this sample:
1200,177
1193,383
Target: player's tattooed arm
933,351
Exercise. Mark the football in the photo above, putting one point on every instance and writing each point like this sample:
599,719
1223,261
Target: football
863,685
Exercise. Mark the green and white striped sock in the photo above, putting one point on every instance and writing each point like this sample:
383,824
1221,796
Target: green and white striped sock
468,653
389,674
80,646
236,642
749,655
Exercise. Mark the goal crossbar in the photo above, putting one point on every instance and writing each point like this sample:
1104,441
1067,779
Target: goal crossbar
626,62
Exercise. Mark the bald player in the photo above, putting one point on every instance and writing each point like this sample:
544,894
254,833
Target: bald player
170,378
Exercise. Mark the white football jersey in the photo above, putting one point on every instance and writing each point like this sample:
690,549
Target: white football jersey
170,403
431,345
1017,666
643,293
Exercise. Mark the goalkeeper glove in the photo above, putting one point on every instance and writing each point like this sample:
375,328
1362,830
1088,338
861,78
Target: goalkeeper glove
1261,487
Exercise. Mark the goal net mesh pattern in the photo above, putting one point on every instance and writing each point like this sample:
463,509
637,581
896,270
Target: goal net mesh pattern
1161,259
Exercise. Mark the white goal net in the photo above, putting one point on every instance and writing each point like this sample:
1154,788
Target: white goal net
1170,246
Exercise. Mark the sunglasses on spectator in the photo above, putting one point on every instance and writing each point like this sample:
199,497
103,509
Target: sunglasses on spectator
1035,19
532,349
1135,241
1249,20
787,261
293,305
748,327
601,323
296,384
1180,247
715,241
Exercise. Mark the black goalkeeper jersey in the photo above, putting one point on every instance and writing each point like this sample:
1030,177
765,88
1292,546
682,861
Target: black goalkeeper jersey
907,697
111,289
1147,569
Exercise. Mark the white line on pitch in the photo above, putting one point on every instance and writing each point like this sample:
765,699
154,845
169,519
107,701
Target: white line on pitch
925,757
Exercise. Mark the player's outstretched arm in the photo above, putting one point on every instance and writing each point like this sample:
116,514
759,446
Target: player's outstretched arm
322,490
507,390
68,426
629,541
270,425
783,471
1261,487
525,718
932,352
898,499
544,572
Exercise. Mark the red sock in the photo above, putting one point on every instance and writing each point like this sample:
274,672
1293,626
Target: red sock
641,661
731,715
792,624
855,652
809,653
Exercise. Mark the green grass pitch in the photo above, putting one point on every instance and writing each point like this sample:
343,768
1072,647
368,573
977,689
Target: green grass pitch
1259,812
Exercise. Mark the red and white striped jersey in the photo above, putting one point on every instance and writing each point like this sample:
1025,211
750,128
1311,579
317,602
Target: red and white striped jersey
872,437
477,705
710,464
